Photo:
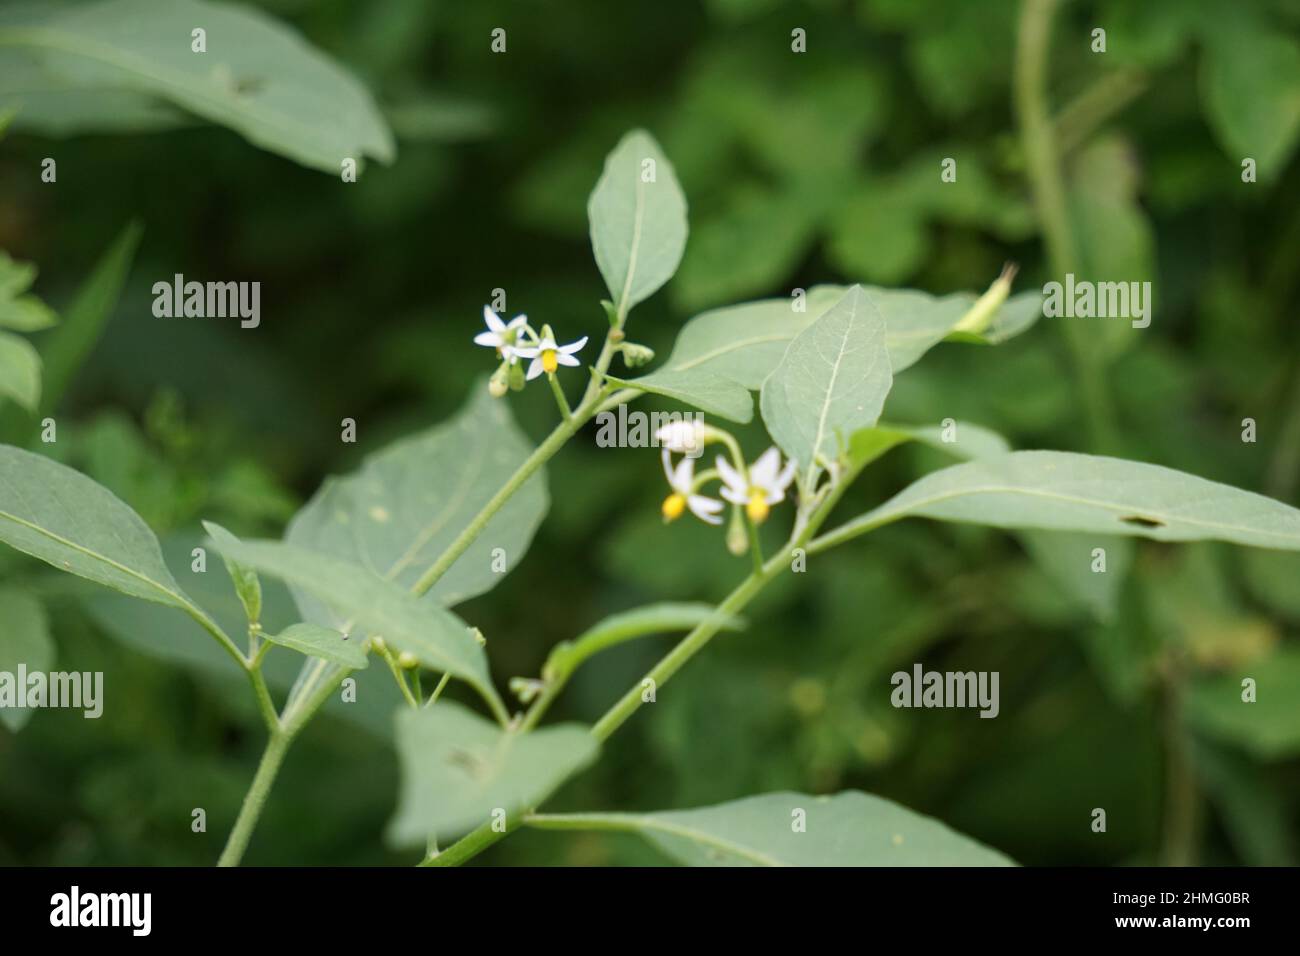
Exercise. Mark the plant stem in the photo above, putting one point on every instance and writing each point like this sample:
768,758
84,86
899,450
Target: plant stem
687,648
255,799
1045,180
310,697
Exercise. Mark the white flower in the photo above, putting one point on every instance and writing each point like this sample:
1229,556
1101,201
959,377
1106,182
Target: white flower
764,486
685,436
547,356
501,336
682,480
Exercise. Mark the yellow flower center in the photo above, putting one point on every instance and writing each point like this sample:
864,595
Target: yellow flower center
757,508
673,507
549,362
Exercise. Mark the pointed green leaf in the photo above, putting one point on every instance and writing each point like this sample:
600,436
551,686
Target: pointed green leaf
457,769
1072,492
409,501
20,371
372,605
831,382
24,639
796,829
56,514
706,391
258,77
68,346
638,220
247,586
323,642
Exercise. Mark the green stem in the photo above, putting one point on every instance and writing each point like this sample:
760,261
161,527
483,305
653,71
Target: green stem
255,799
311,697
437,691
565,411
1046,183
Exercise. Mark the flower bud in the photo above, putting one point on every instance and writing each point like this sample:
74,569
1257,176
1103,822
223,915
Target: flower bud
499,383
737,536
635,355
407,661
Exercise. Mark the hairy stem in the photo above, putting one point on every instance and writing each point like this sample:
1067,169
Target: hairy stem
276,747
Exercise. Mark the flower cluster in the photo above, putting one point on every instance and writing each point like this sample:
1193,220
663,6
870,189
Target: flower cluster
515,340
754,488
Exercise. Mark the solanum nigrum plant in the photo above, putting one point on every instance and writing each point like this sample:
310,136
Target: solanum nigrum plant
377,559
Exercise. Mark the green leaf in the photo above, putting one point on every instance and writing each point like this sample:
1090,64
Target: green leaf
968,441
1067,558
24,639
831,382
625,626
409,501
638,220
457,769
1250,83
20,371
706,391
746,342
1269,728
56,514
796,829
439,639
68,346
20,312
258,77
1071,492
323,642
247,586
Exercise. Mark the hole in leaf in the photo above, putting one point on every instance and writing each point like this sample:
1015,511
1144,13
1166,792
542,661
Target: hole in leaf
1142,522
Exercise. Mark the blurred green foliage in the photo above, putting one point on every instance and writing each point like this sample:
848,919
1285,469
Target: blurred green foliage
799,169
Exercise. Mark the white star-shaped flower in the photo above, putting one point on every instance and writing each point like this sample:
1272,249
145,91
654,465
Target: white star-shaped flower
547,356
500,335
764,486
682,480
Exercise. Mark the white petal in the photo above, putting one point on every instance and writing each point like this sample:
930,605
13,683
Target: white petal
491,339
683,474
493,322
732,478
668,465
773,497
526,351
734,495
787,475
517,322
763,472
563,359
534,369
546,343
573,346
706,509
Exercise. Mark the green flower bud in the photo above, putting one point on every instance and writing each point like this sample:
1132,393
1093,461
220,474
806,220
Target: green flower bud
635,355
499,383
